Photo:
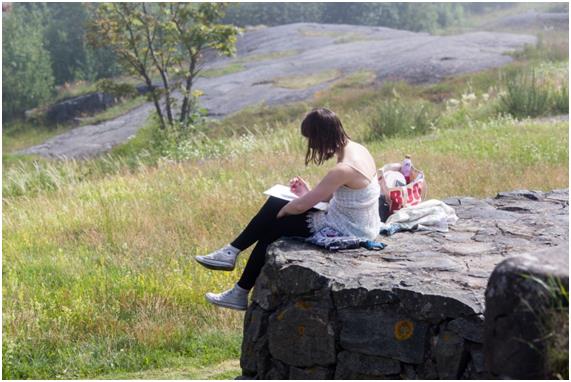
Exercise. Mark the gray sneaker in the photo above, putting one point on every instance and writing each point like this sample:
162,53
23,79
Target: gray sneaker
232,298
220,260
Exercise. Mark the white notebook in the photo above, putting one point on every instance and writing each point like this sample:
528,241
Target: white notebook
283,192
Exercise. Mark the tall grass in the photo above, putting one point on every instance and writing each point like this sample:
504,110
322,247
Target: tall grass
397,118
99,276
556,331
525,95
550,317
32,176
561,99
550,46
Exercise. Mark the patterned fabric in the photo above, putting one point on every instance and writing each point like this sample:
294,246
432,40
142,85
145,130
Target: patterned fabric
332,240
351,212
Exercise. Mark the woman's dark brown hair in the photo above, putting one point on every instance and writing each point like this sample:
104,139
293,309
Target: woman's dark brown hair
325,135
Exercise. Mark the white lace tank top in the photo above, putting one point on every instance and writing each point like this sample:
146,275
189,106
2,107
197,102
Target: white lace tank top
353,212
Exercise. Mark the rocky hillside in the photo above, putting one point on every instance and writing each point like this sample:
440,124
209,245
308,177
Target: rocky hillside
292,62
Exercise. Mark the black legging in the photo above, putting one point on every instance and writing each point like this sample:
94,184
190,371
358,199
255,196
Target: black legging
265,228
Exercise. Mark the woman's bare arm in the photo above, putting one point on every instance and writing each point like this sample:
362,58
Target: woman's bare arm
322,192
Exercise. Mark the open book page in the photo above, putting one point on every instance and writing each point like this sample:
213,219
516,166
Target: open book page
283,192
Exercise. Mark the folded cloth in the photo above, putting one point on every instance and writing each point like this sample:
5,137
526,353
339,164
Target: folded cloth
391,229
333,240
430,215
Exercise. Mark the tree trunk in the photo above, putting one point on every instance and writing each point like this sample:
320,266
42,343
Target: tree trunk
187,102
156,100
168,100
161,68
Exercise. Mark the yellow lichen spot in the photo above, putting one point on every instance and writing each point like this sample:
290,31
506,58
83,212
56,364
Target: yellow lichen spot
301,330
300,304
281,315
404,330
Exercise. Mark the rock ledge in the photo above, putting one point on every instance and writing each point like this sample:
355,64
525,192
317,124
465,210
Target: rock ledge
413,310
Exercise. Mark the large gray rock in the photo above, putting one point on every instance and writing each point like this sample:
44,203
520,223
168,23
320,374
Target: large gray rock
413,310
360,366
523,294
87,104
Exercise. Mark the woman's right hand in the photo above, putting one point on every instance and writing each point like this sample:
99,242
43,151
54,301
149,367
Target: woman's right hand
299,186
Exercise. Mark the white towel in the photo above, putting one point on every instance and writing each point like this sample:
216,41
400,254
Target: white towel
433,215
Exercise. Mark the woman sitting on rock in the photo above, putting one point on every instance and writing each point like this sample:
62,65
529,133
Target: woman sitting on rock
350,186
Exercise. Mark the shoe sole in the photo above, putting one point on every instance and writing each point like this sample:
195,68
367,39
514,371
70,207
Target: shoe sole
214,266
226,305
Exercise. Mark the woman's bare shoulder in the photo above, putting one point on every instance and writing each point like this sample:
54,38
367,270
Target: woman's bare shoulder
361,156
341,169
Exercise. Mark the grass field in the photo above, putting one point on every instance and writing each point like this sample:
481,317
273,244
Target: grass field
99,279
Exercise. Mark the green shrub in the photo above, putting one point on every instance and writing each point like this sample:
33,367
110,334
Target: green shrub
398,118
561,99
524,96
117,90
551,49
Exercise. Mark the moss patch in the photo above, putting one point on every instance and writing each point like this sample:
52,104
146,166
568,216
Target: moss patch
223,71
304,82
268,56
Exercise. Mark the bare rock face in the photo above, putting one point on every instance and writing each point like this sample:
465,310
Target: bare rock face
413,310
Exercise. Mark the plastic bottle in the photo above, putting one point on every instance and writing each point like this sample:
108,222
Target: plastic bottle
406,168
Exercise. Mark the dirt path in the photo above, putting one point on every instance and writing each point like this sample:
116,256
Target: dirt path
305,50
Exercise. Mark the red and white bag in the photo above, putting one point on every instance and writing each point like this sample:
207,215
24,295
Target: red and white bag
409,195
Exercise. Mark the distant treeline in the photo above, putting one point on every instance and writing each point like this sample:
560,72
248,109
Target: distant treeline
44,44
410,16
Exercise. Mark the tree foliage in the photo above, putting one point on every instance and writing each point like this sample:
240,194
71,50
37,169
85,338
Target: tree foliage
64,39
163,39
72,58
26,64
411,16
